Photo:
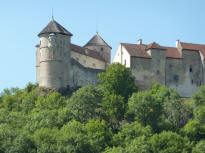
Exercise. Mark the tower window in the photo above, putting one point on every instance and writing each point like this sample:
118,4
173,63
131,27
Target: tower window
102,49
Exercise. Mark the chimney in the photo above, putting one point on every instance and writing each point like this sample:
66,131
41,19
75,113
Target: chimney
177,43
139,42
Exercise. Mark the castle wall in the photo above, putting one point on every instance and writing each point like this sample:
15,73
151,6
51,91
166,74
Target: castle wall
190,72
149,70
88,61
141,70
104,51
158,64
82,76
175,75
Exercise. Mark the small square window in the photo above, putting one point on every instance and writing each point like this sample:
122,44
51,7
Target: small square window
102,49
176,78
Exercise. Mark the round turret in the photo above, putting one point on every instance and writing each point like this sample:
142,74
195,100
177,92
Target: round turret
53,56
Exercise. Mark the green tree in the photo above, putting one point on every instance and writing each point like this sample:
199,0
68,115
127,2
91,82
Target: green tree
199,114
98,135
167,142
73,138
114,150
138,145
194,130
146,108
113,108
46,140
85,103
199,97
118,80
175,112
129,132
200,147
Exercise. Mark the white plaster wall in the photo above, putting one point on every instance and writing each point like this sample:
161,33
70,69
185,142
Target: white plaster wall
121,55
88,61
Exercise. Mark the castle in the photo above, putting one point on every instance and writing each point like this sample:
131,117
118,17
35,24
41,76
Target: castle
59,63
181,67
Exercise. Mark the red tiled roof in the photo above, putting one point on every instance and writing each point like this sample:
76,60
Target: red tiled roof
136,50
190,46
154,45
141,50
173,52
87,52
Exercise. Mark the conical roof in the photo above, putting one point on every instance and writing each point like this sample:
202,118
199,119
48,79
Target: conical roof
55,27
97,40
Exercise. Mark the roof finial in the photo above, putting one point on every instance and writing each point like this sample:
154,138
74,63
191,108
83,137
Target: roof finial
52,15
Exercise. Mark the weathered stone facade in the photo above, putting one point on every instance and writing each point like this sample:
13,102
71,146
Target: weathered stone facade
61,64
181,68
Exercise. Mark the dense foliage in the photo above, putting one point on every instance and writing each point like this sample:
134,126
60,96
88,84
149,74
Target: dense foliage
112,117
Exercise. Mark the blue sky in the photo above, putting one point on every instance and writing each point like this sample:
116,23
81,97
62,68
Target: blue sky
162,21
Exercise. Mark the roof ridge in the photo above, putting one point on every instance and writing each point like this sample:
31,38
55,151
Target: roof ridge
192,43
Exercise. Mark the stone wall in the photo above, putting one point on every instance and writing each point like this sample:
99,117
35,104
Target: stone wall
190,73
82,76
141,70
88,61
104,51
53,60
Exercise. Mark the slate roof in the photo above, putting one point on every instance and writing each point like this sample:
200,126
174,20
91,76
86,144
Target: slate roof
87,52
55,27
136,50
97,40
190,46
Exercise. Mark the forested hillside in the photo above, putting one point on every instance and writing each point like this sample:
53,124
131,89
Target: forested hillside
113,117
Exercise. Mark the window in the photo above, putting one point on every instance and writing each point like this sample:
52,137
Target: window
158,72
53,40
102,49
190,69
200,83
176,78
170,66
125,62
192,81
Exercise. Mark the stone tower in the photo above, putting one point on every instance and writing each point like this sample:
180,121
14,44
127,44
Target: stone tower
98,44
53,56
